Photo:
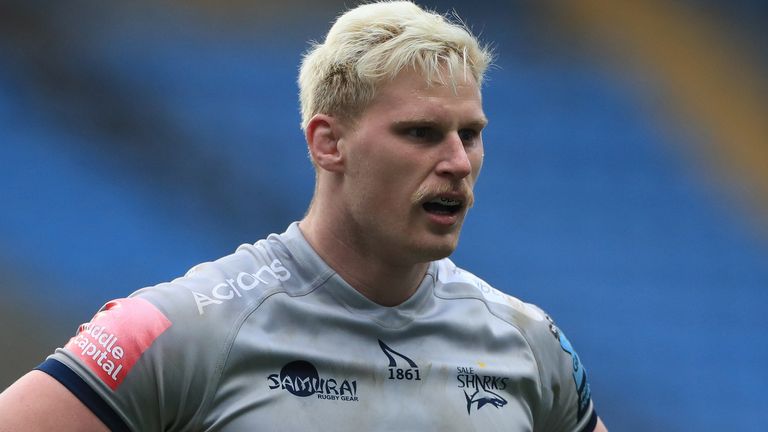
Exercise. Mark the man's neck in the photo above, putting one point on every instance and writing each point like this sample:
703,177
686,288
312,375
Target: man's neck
381,281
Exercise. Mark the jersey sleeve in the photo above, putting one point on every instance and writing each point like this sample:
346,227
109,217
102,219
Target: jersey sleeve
566,403
143,363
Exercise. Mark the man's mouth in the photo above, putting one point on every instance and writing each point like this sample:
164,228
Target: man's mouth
443,206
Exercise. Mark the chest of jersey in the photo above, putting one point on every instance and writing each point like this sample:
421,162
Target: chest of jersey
315,366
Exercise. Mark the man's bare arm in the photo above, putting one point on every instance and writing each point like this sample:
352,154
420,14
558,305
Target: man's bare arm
600,427
37,402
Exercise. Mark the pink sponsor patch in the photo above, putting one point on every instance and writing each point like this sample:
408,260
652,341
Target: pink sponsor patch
117,336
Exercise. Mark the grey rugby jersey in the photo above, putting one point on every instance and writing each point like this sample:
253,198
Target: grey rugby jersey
271,338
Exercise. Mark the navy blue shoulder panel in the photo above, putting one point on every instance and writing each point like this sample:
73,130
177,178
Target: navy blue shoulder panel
85,393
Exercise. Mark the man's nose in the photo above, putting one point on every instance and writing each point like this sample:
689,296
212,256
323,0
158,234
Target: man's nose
454,159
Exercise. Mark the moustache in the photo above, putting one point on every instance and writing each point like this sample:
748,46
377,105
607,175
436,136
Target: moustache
461,188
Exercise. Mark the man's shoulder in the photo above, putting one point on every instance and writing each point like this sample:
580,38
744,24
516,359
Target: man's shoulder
547,342
456,283
226,286
189,324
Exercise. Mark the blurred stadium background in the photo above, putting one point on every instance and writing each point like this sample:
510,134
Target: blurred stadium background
625,188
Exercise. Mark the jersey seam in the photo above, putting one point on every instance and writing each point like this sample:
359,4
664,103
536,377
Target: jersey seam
232,336
519,330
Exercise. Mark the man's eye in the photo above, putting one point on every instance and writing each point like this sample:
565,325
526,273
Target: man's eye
423,133
468,135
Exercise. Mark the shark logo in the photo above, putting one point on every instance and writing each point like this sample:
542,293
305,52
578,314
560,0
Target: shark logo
481,389
483,397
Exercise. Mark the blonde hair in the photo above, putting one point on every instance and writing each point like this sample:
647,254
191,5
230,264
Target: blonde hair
374,42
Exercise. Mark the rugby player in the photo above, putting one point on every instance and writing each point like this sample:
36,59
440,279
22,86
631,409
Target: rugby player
354,318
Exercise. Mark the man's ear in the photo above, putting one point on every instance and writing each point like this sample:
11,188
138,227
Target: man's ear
323,134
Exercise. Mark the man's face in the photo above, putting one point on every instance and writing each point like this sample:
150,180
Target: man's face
412,159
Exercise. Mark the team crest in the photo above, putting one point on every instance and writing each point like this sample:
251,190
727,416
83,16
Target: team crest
479,390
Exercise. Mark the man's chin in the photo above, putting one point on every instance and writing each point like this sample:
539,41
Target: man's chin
437,250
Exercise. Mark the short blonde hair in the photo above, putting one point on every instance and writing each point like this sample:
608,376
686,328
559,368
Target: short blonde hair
374,42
